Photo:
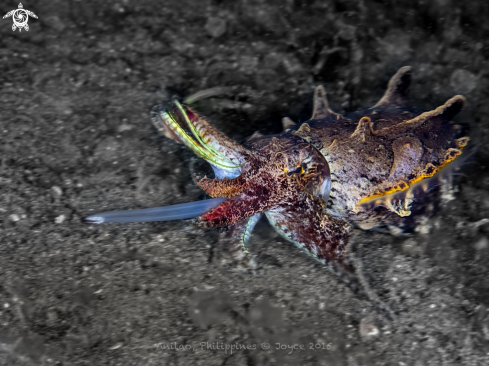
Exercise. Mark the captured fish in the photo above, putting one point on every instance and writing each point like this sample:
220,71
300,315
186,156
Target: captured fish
315,180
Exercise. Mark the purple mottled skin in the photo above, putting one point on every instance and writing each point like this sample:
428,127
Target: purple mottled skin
317,179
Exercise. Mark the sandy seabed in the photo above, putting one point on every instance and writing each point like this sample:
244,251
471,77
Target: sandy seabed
75,95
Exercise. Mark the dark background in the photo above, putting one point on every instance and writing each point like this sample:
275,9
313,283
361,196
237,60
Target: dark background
75,95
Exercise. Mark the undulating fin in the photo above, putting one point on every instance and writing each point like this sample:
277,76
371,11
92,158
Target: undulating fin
402,207
397,89
429,169
287,123
399,201
407,153
448,110
321,105
462,141
364,130
451,154
405,191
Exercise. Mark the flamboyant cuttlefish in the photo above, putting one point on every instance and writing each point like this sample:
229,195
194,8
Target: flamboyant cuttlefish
317,179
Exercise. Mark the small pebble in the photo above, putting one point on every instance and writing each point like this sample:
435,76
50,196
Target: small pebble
411,246
56,23
368,330
56,191
14,217
482,244
463,81
124,127
216,27
60,219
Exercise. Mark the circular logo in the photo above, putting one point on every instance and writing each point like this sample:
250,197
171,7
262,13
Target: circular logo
20,18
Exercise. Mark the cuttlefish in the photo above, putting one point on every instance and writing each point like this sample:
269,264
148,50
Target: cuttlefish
318,179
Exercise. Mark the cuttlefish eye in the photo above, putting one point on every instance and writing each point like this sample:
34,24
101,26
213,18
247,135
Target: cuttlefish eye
320,184
312,173
300,170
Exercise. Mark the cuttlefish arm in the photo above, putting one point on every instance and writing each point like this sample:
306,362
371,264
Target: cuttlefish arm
235,240
318,234
324,238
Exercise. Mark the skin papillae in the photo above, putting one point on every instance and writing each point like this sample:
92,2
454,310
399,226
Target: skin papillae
319,178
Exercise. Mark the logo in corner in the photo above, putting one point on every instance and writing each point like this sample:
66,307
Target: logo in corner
20,17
